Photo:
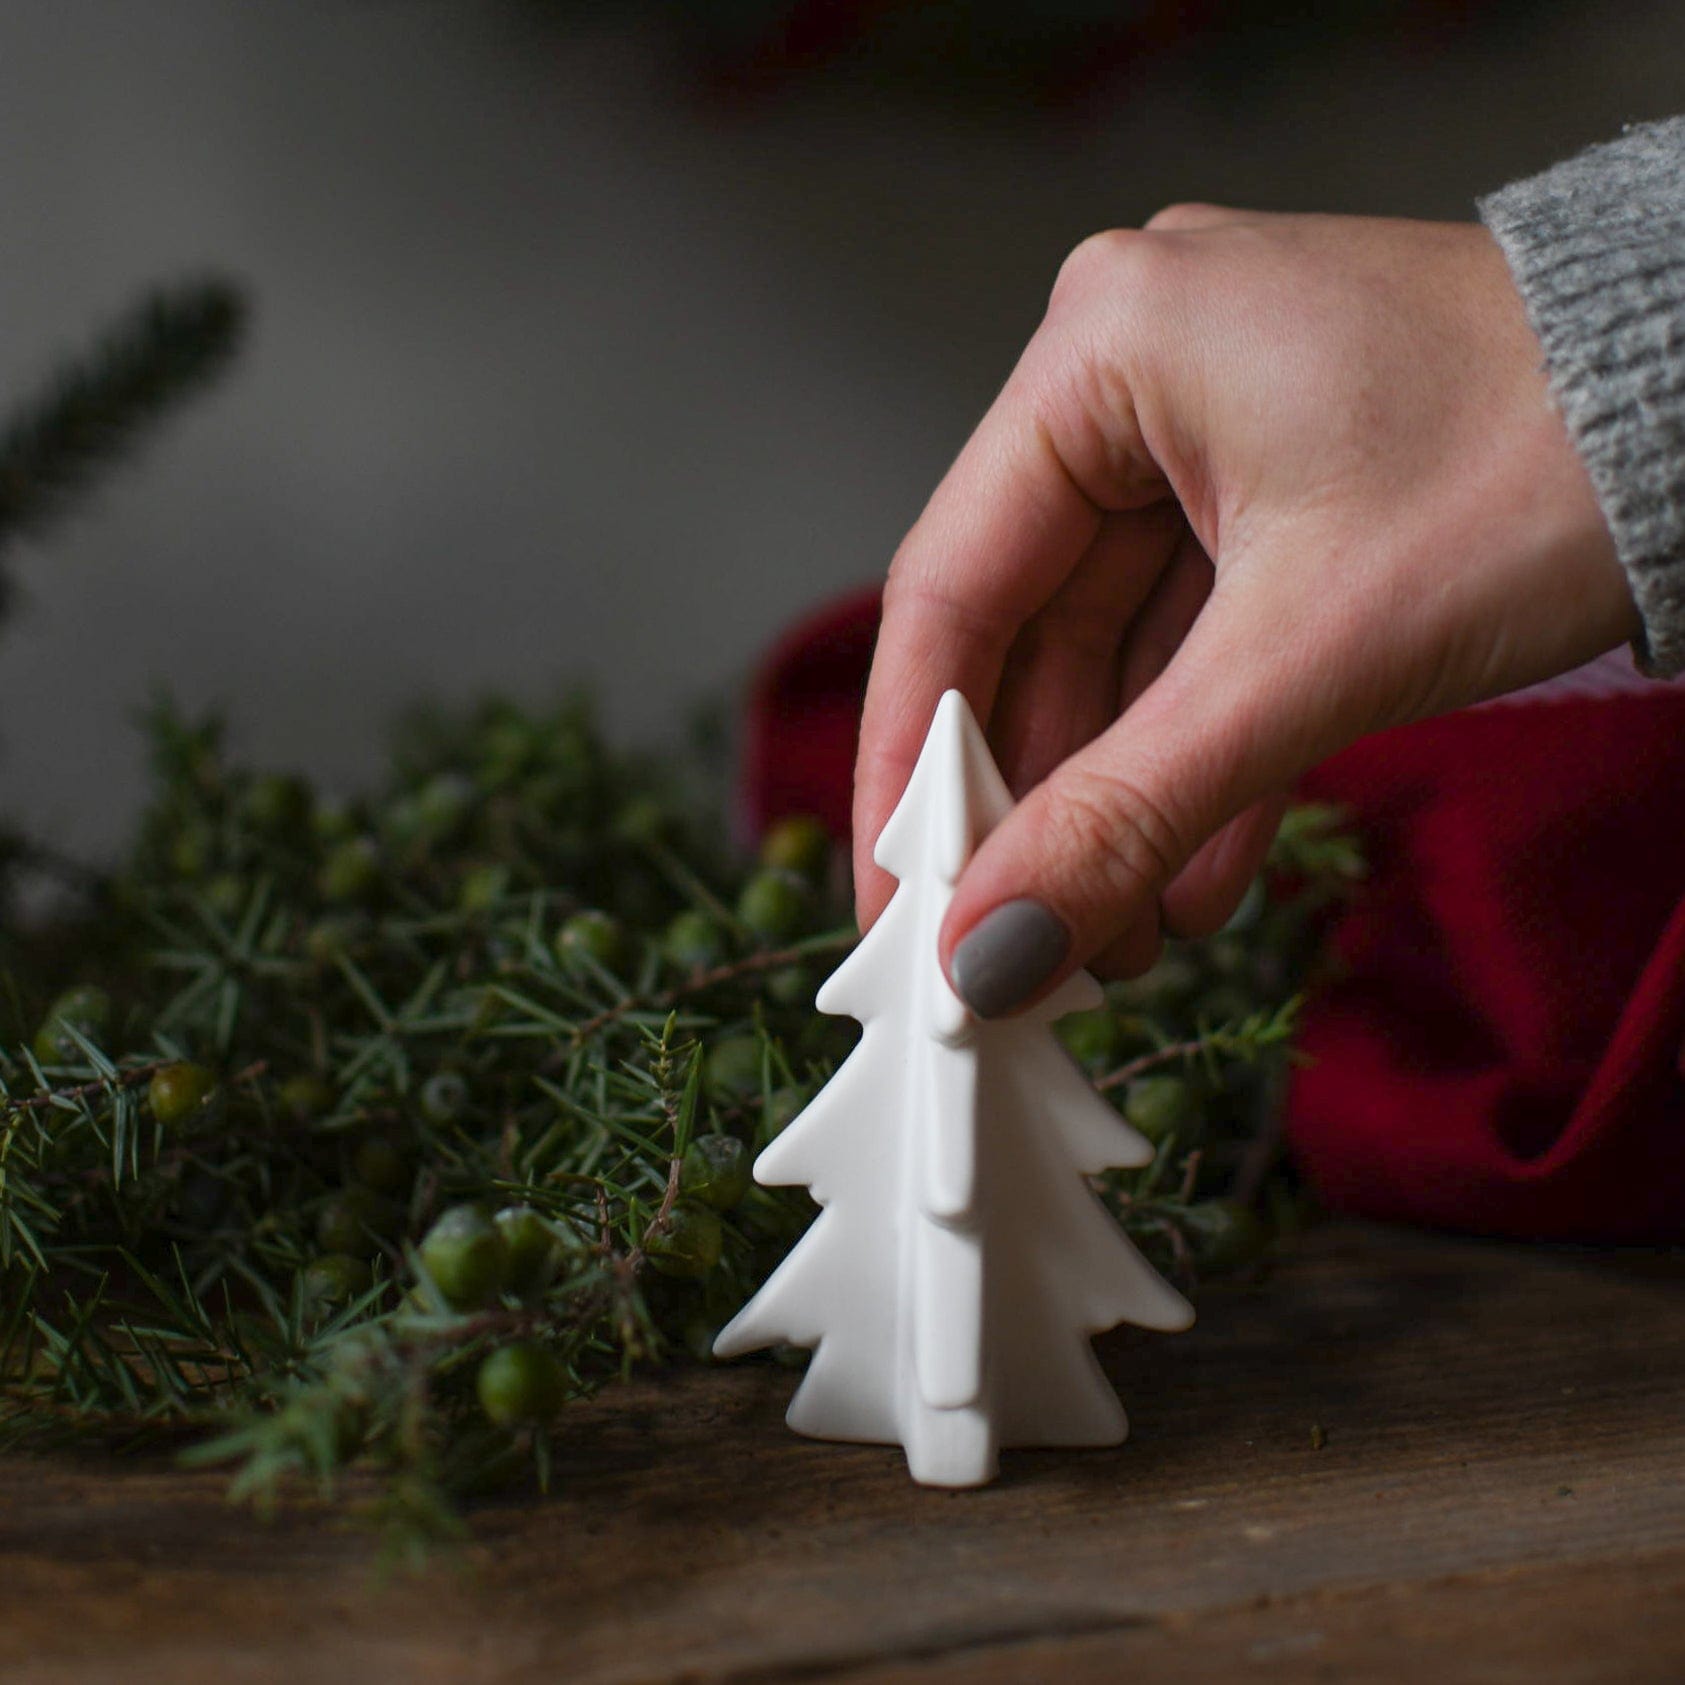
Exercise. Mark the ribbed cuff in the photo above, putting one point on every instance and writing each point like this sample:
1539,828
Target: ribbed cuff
1597,248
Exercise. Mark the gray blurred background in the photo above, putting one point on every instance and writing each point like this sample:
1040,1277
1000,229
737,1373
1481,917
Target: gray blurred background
578,355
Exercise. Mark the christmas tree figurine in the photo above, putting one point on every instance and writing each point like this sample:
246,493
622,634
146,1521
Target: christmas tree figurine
961,1263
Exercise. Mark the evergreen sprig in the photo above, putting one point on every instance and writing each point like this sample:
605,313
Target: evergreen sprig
96,410
373,1132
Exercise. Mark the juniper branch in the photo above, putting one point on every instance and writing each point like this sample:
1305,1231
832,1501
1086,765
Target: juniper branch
700,982
1240,1039
416,1025
97,409
134,1076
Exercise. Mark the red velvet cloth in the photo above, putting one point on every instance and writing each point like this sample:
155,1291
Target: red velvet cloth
804,717
1503,1051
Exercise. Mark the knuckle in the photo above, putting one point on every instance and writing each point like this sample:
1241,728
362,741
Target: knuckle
1127,274
1092,262
1115,829
1180,217
901,582
967,606
912,584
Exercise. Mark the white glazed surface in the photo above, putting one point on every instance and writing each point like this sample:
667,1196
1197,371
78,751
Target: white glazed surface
961,1263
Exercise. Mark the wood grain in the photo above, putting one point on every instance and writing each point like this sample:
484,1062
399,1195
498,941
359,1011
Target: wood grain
1501,1496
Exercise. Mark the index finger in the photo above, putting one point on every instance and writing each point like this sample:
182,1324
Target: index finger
1010,520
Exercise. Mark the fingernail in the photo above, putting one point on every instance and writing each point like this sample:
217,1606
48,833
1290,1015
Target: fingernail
1007,956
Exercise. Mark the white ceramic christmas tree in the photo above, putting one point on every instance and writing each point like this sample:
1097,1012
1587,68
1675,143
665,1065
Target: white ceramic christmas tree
961,1263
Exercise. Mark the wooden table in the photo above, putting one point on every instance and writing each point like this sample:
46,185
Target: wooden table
1500,1496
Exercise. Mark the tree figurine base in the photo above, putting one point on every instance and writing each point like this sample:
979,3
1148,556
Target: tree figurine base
952,1283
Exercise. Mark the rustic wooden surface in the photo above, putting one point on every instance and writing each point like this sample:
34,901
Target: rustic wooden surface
1501,1497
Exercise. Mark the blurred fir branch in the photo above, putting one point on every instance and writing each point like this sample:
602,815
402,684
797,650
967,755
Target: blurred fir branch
370,1133
96,410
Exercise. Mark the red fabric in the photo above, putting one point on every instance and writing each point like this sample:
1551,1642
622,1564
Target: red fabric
804,717
1502,1051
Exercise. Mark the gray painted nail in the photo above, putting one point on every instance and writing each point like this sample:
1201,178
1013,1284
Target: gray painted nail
1007,956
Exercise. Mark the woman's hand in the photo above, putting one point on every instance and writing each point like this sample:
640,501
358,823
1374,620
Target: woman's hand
1258,486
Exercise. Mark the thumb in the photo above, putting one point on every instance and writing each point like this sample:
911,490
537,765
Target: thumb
1086,856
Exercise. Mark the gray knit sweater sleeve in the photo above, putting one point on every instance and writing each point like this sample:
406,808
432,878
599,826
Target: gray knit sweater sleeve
1597,247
